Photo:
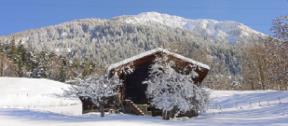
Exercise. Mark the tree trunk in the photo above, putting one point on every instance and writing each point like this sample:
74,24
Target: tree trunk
102,110
1,65
165,115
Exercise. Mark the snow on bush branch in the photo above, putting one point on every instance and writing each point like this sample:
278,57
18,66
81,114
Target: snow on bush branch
170,90
96,88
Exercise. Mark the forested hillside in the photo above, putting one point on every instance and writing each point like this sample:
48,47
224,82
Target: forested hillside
83,47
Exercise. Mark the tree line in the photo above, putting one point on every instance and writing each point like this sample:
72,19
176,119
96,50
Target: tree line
18,61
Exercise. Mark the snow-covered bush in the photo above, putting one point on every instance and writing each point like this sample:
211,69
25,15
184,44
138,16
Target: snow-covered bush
173,92
98,89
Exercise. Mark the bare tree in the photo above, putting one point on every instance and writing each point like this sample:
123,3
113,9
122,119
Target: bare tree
173,92
7,67
280,28
98,89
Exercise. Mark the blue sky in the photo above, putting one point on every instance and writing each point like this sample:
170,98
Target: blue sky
20,15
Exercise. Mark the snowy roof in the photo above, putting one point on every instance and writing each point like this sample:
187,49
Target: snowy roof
147,53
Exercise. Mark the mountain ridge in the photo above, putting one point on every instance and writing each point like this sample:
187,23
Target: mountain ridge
225,30
210,27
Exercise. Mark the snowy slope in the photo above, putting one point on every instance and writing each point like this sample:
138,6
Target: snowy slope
237,108
221,30
36,94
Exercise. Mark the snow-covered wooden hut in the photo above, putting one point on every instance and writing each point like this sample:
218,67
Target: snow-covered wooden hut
133,71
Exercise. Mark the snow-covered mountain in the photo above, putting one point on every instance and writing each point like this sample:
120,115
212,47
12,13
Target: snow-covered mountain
214,30
145,31
221,30
106,41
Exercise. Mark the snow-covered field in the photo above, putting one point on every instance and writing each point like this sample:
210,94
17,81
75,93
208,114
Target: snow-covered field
37,94
36,102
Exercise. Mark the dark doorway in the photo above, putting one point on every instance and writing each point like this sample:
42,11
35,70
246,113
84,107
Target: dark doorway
134,89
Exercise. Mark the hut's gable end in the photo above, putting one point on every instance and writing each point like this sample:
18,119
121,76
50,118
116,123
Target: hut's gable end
188,67
153,52
182,63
